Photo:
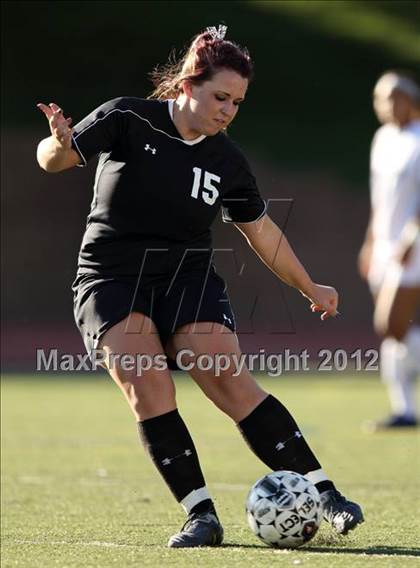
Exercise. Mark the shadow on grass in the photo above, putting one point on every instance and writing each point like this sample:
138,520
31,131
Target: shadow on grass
371,550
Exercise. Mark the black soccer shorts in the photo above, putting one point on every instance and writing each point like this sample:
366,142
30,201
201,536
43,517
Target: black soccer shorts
102,302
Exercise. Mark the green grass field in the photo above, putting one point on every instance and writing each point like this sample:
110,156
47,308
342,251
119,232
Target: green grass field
78,490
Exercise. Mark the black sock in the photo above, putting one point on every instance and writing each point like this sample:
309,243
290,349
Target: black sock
169,444
273,435
324,486
206,506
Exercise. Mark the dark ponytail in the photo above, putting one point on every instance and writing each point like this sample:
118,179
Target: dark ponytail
206,55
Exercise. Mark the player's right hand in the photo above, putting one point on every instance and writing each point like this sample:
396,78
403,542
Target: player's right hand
59,126
323,299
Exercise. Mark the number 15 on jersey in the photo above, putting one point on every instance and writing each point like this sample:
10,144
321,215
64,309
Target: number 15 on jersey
209,192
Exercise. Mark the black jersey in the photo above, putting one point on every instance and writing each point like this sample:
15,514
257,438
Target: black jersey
154,190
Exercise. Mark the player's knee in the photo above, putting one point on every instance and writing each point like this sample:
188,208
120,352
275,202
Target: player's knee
397,332
147,393
233,391
395,327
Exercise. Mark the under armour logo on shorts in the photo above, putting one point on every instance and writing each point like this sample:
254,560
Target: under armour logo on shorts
225,318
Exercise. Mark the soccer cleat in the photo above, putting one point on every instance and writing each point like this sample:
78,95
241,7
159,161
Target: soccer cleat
342,514
201,529
395,422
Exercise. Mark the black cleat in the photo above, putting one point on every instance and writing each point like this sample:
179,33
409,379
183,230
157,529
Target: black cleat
343,515
201,529
395,422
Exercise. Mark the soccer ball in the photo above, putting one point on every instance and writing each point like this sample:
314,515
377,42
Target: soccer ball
284,509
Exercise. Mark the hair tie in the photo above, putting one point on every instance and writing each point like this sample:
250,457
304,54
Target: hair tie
217,33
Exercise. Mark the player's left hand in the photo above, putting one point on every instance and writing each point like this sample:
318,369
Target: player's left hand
407,242
404,253
323,299
60,126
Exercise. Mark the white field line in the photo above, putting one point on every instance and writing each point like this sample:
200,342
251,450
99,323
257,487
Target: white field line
75,543
34,479
98,481
102,480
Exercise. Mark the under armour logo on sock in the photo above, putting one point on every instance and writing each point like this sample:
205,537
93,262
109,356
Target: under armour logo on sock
148,147
282,445
168,461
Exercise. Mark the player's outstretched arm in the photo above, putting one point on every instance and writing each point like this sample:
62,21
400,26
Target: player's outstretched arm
55,153
270,244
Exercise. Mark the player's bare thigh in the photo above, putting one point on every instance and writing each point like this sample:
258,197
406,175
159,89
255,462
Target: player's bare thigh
232,389
396,310
150,392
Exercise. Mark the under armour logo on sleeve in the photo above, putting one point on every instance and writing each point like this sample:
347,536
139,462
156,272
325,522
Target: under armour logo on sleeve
148,147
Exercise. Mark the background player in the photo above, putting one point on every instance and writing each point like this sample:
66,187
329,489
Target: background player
165,169
390,256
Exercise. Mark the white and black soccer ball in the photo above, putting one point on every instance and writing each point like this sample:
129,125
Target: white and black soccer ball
284,509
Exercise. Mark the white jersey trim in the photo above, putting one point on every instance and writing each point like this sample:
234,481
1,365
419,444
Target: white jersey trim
171,103
225,219
188,142
80,153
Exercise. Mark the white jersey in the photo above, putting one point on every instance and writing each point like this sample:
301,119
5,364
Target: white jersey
395,191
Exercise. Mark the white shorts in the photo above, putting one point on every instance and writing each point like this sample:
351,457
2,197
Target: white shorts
408,275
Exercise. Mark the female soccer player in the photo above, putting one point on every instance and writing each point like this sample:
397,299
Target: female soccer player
390,256
146,282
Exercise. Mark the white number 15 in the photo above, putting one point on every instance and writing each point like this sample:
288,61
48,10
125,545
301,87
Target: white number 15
209,192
